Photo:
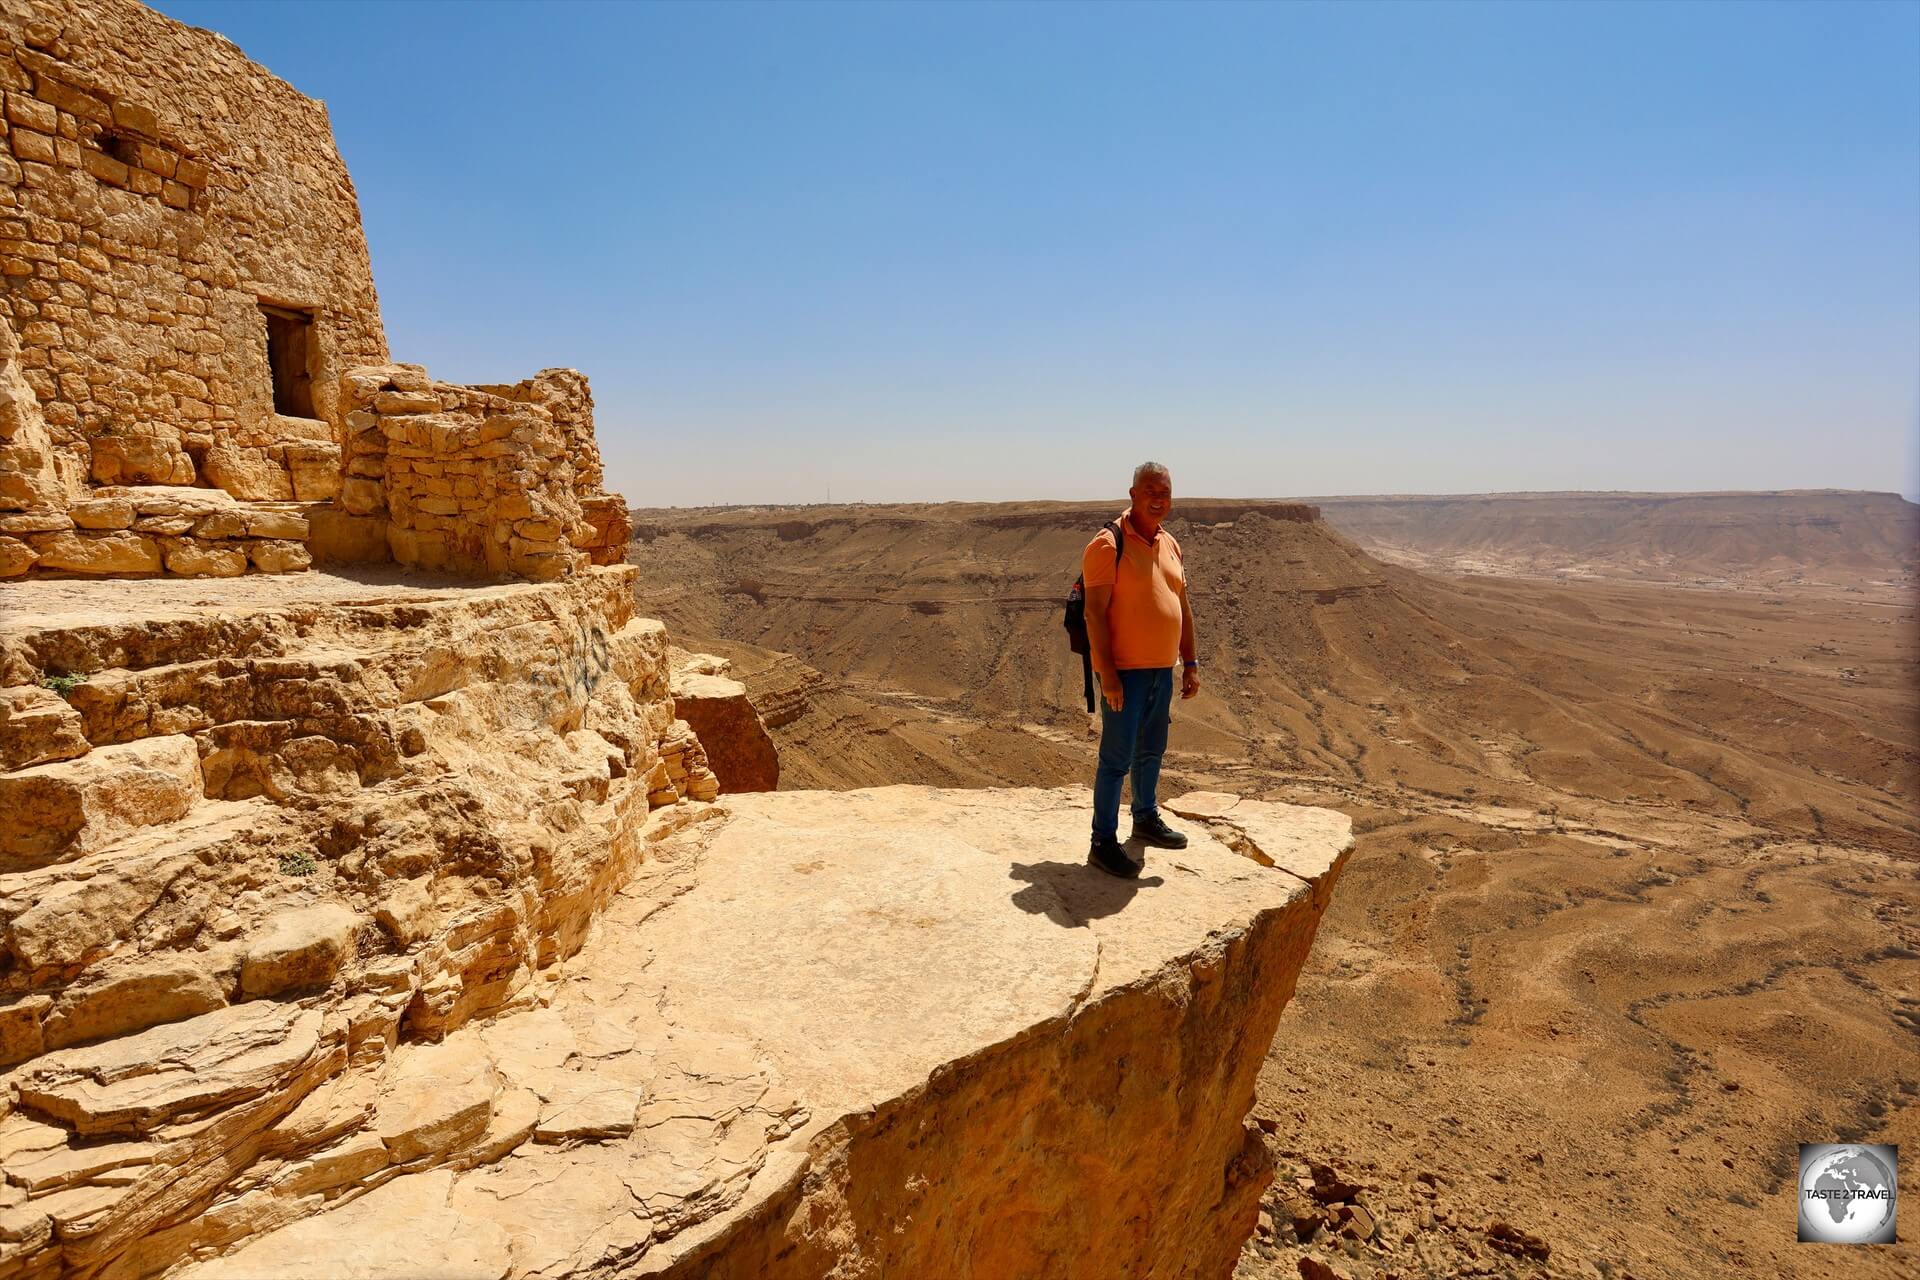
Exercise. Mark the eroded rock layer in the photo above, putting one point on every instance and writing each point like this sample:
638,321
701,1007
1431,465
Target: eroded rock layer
368,926
898,1032
250,842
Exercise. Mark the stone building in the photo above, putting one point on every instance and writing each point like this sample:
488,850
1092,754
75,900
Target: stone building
191,353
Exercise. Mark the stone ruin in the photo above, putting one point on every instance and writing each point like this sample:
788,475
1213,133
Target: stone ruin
194,379
359,921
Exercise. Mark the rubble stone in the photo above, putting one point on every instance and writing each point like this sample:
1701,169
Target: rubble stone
298,949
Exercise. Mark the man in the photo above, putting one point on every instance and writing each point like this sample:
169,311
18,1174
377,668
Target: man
1138,623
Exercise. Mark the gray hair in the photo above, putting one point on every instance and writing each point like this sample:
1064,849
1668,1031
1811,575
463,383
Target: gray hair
1151,469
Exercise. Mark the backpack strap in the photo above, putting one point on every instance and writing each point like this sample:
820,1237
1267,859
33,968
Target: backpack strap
1086,659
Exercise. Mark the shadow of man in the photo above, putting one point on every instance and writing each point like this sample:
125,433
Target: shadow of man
1072,893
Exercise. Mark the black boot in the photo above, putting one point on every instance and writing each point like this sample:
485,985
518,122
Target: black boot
1110,856
1154,830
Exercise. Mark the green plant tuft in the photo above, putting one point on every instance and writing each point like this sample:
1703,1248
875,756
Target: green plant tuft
63,685
298,864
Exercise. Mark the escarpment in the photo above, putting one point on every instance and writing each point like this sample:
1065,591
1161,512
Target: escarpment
391,948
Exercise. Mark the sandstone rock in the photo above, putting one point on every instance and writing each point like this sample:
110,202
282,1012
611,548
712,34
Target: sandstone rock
670,1102
16,557
435,1099
354,1160
229,523
583,1210
274,556
701,664
314,468
515,1113
298,949
168,499
170,525
338,537
102,513
25,522
51,812
138,1083
37,725
1313,1269
191,559
739,751
406,1230
141,459
20,1019
806,1104
268,523
1355,1222
361,496
1328,1186
248,472
1246,826
73,921
132,998
539,1040
406,911
107,553
580,1105
1511,1240
68,1164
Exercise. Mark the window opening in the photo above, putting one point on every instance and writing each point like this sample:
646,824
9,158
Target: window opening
289,357
121,148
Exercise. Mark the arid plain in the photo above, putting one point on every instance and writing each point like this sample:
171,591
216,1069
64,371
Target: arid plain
1633,908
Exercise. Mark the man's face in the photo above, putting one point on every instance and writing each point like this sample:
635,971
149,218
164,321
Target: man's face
1153,496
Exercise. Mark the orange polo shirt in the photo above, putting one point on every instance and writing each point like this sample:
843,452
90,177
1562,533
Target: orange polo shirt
1143,622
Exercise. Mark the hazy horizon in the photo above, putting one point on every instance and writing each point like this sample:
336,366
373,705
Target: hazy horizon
1179,498
991,252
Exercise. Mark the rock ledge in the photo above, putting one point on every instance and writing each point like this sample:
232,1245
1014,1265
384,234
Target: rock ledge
902,1031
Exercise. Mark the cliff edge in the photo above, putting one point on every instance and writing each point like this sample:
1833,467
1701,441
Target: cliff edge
373,925
895,1032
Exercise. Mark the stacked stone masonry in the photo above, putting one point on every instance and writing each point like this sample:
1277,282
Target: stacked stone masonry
473,482
157,189
186,301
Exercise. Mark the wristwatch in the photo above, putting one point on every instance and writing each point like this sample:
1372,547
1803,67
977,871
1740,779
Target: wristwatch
1191,664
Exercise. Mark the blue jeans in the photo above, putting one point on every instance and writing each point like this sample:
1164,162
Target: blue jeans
1132,739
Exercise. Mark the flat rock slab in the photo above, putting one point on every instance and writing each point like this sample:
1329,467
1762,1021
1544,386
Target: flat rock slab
1289,837
895,1028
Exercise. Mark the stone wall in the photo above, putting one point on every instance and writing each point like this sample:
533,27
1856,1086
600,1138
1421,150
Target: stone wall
157,188
469,481
564,394
186,302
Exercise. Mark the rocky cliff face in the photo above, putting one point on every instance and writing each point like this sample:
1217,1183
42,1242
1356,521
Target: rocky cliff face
250,844
899,1032
358,925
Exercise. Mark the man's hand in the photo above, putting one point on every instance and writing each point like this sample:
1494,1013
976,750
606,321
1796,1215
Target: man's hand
1189,682
1110,689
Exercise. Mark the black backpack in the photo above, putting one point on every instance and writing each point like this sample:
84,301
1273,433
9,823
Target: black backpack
1076,620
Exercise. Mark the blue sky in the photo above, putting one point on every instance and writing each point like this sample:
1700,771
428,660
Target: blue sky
901,252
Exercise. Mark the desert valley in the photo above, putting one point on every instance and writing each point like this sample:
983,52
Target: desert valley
1632,908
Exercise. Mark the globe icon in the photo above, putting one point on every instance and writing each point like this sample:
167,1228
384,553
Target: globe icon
1847,1196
